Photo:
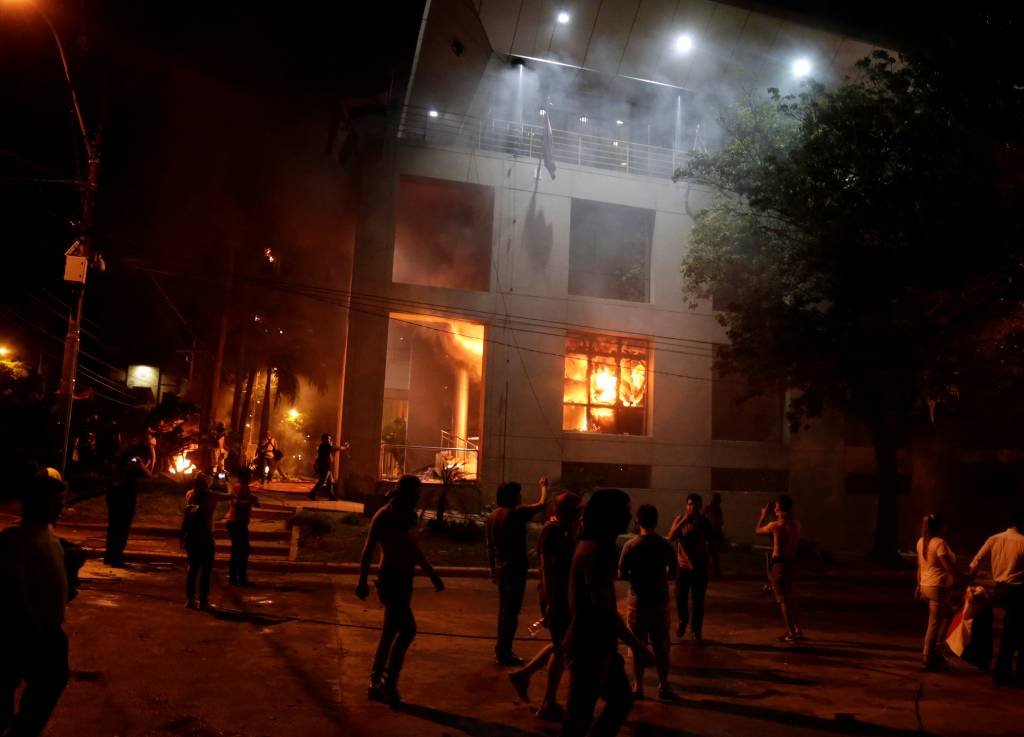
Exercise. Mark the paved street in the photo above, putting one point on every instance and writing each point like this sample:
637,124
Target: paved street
290,656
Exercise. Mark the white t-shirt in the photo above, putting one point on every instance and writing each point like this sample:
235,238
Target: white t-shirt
932,572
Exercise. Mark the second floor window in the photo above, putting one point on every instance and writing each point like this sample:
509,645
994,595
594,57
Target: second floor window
606,385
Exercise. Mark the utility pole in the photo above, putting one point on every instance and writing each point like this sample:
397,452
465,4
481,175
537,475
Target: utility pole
78,259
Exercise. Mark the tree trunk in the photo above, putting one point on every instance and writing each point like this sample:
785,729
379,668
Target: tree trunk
243,414
886,545
265,414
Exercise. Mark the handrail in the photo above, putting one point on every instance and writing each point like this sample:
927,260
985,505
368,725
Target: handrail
527,140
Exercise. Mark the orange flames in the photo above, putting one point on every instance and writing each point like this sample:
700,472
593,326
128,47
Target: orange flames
609,381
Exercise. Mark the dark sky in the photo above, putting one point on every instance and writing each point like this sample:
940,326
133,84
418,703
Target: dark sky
214,118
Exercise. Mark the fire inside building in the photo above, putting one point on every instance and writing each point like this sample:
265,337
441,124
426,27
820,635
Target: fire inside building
520,235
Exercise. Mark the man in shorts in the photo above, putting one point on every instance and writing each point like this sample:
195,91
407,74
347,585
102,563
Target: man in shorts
648,561
785,532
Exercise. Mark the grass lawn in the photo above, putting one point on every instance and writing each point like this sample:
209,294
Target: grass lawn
158,502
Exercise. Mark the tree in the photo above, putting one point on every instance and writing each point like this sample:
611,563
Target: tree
869,238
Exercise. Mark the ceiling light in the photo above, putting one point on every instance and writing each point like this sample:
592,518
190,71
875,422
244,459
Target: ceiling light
584,118
620,122
801,68
542,112
433,113
563,17
684,43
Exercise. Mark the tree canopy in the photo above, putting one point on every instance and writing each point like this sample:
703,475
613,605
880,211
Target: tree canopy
867,248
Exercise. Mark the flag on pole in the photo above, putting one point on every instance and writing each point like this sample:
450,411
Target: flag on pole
549,148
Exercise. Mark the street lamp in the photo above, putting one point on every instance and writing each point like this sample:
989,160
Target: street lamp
78,256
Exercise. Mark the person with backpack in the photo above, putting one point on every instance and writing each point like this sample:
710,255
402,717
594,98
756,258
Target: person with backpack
197,539
268,456
237,522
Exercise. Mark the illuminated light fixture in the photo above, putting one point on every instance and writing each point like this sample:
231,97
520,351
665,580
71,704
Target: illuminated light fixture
584,118
542,112
4,351
801,67
615,143
564,17
620,122
433,113
684,43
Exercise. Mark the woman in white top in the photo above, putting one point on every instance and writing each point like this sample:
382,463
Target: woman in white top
936,569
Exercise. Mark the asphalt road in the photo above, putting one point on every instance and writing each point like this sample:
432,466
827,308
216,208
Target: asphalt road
291,656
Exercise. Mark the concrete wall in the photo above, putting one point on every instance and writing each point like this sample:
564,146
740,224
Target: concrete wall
522,436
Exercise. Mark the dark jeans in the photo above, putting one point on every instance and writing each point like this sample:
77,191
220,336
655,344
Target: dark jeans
588,681
238,567
511,588
395,593
41,662
200,563
1011,600
325,481
691,583
120,513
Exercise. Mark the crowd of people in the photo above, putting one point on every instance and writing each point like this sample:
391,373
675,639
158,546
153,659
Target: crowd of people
579,561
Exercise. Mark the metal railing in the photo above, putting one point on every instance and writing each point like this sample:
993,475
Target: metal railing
527,141
399,459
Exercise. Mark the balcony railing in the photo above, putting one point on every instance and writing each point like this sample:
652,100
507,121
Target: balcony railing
527,141
399,459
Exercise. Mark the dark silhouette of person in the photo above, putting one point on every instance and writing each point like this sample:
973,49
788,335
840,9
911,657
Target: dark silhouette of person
554,553
121,499
785,532
393,528
33,595
648,562
237,522
506,549
693,536
322,465
596,669
197,537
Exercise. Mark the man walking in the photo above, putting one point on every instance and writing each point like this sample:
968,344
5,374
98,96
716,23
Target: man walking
1005,553
393,528
324,455
785,532
506,548
33,595
692,534
596,670
648,562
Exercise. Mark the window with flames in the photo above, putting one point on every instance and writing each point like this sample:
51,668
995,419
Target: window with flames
605,385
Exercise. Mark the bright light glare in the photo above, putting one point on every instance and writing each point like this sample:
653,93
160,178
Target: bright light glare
542,112
620,122
563,18
433,113
684,44
801,68
584,118
4,351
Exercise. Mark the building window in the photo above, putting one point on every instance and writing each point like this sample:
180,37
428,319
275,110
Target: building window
610,251
618,475
443,232
605,386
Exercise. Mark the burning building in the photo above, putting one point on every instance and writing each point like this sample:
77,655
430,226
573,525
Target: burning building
516,299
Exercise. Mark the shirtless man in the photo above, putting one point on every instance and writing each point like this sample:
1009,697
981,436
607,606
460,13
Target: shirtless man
394,529
785,532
